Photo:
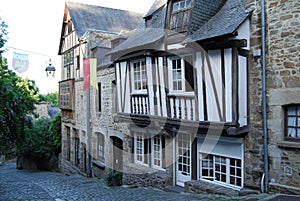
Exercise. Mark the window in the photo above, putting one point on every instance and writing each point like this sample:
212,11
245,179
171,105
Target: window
77,66
157,151
141,149
177,74
184,154
180,5
100,147
292,122
207,170
99,97
181,74
66,93
221,169
139,76
180,15
143,146
68,62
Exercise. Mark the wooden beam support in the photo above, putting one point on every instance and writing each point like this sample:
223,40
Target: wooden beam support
233,43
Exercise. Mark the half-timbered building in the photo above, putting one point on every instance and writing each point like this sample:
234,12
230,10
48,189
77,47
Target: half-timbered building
86,33
181,85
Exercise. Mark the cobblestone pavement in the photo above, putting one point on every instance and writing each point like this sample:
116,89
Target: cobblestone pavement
38,185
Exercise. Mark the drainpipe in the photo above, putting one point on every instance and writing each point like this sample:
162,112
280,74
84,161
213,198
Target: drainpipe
264,97
88,120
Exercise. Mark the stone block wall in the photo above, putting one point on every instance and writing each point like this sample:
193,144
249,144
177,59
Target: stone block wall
283,81
254,141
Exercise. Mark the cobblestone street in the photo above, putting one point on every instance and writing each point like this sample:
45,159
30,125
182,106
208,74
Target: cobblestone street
38,185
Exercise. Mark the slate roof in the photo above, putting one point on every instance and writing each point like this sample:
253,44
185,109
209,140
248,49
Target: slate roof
209,19
140,40
145,37
155,6
204,10
225,22
85,17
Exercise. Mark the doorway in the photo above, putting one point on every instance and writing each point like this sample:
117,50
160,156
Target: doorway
117,153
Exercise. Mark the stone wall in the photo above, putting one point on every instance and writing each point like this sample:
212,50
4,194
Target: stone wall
101,122
254,140
157,179
283,79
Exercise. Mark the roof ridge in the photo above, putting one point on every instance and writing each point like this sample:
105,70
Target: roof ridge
99,6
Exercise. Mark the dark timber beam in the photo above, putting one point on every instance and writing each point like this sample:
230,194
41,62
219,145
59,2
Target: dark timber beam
234,43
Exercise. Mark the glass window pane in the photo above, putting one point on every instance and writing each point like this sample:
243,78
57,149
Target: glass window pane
179,86
292,121
292,111
175,6
181,5
291,132
188,3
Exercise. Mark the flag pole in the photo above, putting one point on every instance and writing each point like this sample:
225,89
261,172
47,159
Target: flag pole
88,120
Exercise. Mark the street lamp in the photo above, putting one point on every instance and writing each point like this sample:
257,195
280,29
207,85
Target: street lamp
50,70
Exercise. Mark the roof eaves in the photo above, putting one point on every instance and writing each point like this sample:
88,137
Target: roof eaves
225,22
139,39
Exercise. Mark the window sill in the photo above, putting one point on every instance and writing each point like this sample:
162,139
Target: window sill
182,94
287,144
98,164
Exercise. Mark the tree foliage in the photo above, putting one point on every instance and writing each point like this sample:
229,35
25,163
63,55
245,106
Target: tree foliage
20,135
52,98
42,142
17,98
3,35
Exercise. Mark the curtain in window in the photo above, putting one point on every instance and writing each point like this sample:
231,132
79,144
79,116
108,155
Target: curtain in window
292,122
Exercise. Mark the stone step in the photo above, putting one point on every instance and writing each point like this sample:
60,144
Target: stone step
174,189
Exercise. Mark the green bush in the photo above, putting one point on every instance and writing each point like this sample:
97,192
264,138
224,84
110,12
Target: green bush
114,178
42,143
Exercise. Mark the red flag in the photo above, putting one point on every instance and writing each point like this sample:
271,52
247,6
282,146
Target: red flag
93,73
86,73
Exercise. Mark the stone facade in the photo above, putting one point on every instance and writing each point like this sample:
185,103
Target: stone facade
74,138
282,58
283,81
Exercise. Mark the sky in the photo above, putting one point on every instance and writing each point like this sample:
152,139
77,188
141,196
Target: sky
34,28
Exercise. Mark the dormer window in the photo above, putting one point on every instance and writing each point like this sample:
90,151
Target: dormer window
180,5
180,15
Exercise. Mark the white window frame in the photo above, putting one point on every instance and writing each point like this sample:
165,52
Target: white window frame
139,151
143,68
225,161
181,5
156,156
171,78
183,80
